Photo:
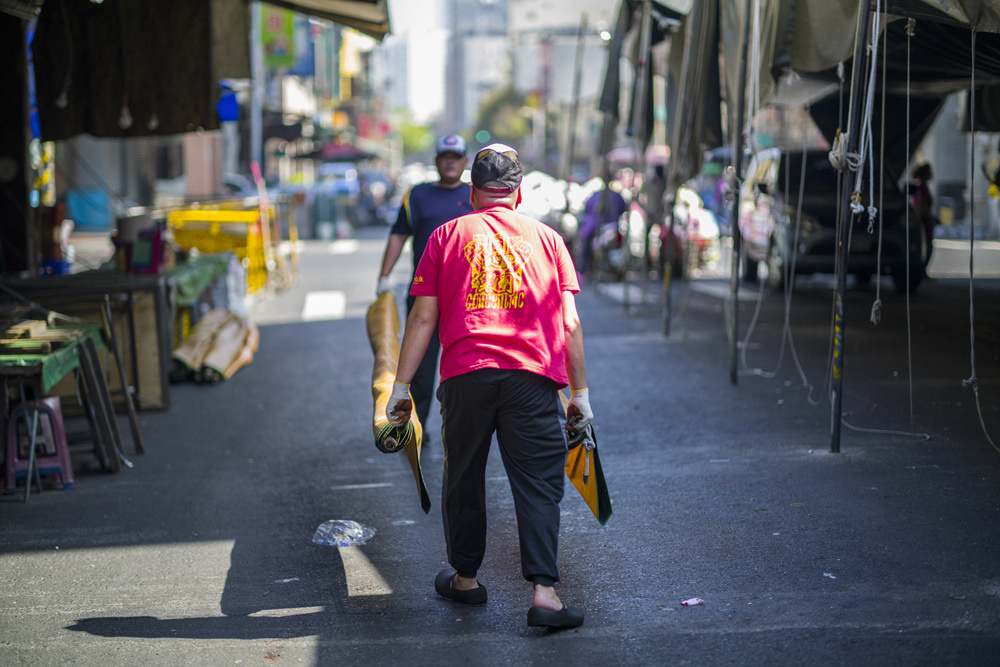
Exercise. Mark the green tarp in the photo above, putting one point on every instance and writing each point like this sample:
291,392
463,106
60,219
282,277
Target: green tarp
192,278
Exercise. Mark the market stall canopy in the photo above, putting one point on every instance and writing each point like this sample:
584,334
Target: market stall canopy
275,127
655,154
802,43
339,151
130,69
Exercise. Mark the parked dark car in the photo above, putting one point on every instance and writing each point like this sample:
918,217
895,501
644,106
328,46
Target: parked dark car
769,202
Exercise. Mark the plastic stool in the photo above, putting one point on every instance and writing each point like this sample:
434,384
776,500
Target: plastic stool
51,448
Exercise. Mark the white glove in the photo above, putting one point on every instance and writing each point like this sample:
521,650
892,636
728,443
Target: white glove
384,285
578,412
400,405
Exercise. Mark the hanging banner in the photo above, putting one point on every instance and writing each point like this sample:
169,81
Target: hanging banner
277,36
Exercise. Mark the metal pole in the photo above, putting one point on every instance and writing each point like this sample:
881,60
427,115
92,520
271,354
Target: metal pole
574,106
256,86
734,216
853,123
639,131
32,430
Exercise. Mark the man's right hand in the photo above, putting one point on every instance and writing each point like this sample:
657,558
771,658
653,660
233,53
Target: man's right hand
400,405
383,286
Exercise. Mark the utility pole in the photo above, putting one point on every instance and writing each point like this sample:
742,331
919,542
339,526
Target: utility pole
639,136
257,84
734,218
575,104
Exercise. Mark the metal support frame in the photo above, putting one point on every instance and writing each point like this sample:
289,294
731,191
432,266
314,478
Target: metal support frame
853,124
32,432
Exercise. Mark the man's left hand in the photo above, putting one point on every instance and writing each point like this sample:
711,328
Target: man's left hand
578,412
400,405
384,285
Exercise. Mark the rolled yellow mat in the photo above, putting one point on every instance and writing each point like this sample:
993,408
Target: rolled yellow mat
383,325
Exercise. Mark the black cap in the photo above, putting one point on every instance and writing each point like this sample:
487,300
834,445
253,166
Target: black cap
496,170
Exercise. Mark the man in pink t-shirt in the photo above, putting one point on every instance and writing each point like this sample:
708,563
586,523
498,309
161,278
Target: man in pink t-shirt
502,287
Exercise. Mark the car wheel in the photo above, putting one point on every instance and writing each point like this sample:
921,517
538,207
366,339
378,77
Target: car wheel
918,268
917,274
749,267
863,278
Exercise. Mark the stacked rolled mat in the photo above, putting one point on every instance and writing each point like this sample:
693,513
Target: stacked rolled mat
220,343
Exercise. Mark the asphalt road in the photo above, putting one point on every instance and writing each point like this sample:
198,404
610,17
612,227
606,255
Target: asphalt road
885,553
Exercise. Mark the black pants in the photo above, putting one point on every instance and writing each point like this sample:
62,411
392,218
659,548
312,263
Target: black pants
524,411
422,384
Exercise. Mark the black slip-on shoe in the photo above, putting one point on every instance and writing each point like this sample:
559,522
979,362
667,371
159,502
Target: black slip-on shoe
567,617
444,584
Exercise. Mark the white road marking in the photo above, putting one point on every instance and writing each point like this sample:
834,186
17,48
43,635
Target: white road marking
324,306
344,247
721,290
373,485
287,611
362,577
285,248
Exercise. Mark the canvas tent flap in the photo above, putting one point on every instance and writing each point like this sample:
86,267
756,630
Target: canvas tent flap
815,36
683,48
625,44
695,108
983,15
163,59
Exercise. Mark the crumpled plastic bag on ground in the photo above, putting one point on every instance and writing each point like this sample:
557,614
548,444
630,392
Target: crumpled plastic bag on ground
342,533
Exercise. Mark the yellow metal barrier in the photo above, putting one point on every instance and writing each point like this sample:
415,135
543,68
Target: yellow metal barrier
254,238
220,230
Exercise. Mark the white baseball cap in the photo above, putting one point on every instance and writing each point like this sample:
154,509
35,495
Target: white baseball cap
451,143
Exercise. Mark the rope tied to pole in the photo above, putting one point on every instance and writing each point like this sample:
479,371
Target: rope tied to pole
972,380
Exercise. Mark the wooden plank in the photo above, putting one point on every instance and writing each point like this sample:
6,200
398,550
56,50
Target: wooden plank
25,346
24,329
59,334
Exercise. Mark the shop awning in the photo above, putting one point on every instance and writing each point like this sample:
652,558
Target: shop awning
368,16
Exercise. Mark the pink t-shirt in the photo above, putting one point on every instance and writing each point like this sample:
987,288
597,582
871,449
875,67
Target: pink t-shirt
499,279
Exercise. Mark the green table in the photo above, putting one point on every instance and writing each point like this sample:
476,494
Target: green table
53,366
40,372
